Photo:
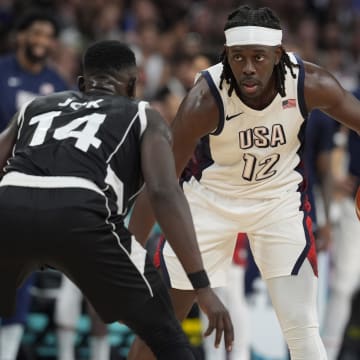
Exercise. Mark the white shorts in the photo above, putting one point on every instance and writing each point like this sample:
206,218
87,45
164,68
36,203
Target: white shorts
279,233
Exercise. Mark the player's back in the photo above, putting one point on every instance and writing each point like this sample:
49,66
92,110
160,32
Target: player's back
95,136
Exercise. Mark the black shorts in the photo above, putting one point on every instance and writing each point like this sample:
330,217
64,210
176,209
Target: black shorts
72,230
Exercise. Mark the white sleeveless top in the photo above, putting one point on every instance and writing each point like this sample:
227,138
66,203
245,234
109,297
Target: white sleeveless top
254,154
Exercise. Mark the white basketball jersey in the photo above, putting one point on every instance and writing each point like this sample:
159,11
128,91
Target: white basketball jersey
255,154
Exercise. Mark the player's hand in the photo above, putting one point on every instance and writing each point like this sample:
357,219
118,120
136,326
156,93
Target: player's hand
218,316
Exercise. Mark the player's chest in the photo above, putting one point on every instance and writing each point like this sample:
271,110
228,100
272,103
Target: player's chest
278,132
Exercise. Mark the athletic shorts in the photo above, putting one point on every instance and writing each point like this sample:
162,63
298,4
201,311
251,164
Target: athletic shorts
74,231
279,232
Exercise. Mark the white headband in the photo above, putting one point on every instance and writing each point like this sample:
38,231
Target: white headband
253,35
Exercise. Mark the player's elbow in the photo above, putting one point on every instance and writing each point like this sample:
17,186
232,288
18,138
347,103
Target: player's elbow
161,194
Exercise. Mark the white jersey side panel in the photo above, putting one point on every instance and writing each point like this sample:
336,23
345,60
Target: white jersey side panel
256,154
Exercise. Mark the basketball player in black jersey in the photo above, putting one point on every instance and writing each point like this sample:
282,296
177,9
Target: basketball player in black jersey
73,163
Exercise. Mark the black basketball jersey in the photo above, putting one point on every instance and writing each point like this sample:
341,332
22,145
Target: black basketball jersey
92,136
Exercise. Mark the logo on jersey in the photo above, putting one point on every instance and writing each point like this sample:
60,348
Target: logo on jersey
262,137
289,103
229,117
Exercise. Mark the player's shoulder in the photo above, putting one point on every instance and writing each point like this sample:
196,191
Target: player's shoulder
316,74
321,88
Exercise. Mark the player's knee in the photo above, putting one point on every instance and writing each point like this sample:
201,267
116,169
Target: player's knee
300,317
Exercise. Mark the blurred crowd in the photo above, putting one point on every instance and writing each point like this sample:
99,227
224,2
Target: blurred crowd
168,35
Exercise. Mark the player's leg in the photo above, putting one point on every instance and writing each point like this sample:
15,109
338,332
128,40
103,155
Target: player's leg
234,299
210,352
182,301
216,234
284,251
99,343
12,328
67,313
115,273
345,278
16,224
238,309
295,302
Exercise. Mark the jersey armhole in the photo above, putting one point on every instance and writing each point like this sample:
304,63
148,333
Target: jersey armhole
218,99
300,87
142,106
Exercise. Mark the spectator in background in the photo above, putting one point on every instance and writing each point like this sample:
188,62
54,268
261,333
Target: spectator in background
24,75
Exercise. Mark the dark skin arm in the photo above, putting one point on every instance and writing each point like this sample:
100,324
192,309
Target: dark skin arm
7,142
197,116
173,214
323,92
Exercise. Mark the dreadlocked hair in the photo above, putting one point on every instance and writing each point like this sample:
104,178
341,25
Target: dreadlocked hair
264,17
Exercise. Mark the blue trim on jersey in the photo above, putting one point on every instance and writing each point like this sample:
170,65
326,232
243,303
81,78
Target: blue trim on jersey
300,87
200,160
302,188
306,250
215,93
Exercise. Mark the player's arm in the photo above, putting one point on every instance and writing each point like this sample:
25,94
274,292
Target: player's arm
165,195
7,142
197,116
173,214
324,92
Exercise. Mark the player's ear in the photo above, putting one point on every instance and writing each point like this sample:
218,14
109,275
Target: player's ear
81,83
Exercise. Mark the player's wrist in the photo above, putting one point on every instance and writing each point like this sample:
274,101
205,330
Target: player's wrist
199,279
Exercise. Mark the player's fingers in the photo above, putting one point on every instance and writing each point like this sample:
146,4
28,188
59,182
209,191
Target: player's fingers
219,331
228,333
211,326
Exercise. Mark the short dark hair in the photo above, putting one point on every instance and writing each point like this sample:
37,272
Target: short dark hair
107,56
29,17
246,16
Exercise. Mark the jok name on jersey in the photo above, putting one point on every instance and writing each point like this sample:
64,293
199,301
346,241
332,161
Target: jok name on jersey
262,137
77,105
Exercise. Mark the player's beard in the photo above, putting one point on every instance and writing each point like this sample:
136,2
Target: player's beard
33,57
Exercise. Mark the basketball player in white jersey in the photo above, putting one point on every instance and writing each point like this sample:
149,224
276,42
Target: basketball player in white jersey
249,113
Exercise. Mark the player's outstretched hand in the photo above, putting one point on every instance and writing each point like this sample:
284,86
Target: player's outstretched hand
219,318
